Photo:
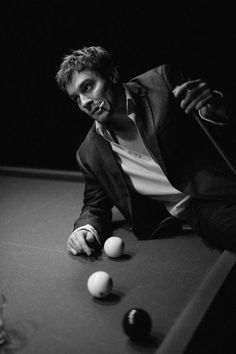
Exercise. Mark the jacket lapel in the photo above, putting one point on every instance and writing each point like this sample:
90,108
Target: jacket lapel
148,126
110,175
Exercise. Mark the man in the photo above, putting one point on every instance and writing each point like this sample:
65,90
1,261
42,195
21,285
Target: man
146,154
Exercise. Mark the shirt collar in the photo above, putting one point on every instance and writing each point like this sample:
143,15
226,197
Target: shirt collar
130,103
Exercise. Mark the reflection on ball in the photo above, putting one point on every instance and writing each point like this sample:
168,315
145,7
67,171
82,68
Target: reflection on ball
137,324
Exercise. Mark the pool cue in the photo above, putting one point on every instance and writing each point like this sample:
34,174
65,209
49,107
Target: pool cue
216,145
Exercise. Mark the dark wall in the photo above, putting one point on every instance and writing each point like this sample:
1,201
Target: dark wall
41,128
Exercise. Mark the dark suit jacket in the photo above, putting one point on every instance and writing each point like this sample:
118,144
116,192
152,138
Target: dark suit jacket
175,140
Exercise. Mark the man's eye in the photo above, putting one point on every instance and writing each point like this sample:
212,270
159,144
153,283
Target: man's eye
74,98
86,88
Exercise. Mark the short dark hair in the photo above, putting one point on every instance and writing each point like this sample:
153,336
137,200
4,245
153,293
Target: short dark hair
94,58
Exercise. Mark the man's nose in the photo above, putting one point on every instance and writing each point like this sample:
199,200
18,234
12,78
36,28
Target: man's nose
86,102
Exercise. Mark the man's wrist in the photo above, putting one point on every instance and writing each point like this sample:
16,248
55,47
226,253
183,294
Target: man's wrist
89,228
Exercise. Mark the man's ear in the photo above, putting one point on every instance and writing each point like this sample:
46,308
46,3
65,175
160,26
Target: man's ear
114,75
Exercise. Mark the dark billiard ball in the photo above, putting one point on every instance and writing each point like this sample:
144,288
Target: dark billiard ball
137,324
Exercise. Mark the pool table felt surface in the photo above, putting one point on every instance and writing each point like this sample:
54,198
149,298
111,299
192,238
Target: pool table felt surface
49,308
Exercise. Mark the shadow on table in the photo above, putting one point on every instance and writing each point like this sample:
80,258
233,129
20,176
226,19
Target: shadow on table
111,299
148,345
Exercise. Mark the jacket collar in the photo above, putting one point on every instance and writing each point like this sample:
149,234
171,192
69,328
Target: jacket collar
147,124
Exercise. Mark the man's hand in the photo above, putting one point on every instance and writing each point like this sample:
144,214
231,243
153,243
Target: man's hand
81,242
196,95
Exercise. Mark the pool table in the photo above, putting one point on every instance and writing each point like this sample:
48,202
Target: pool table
49,308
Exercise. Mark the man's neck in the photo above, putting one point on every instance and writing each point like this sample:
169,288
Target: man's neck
120,121
126,134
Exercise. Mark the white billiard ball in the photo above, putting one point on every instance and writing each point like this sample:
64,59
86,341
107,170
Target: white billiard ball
114,247
100,284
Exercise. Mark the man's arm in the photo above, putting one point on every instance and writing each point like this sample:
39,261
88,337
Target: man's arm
96,209
94,221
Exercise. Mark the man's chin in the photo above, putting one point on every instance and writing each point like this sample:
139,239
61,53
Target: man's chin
102,117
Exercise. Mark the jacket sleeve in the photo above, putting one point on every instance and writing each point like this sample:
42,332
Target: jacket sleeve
173,75
97,207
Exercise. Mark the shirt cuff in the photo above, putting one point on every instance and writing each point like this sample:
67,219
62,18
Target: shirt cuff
90,228
207,119
225,119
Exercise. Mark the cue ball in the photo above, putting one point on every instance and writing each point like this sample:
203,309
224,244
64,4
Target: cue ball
137,324
114,247
99,284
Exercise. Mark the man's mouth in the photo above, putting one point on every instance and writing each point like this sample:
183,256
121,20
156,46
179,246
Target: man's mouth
98,108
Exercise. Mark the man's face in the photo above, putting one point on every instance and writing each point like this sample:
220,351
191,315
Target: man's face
93,94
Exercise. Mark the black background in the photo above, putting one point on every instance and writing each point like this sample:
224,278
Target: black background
40,126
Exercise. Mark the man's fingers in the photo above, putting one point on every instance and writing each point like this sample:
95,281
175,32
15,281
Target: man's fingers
73,245
71,250
76,243
90,238
194,104
204,102
181,90
194,95
84,246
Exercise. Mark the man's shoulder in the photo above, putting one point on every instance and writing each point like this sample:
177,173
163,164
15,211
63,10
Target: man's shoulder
156,71
91,142
86,141
169,73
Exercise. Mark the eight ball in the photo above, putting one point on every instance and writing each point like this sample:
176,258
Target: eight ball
137,324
